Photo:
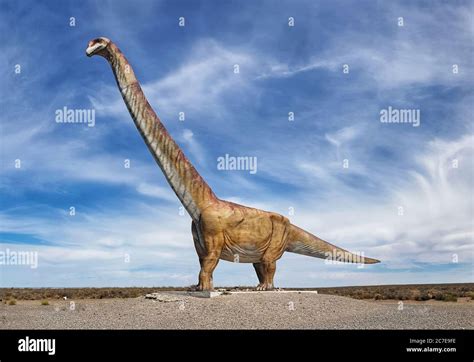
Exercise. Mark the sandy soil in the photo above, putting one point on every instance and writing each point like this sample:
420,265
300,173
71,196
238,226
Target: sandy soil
256,310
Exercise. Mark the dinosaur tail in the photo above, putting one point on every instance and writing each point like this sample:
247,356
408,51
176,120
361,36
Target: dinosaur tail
305,243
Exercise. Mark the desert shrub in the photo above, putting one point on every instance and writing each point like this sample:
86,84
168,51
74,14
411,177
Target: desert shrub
12,302
469,295
44,302
401,295
424,296
437,295
415,294
448,297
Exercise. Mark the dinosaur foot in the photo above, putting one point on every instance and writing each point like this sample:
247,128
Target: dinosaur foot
199,288
265,286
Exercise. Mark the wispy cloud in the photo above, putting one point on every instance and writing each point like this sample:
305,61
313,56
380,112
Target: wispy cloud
155,191
132,211
426,217
197,87
411,55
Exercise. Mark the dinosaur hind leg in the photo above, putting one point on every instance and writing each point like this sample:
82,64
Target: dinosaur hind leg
259,270
265,272
267,266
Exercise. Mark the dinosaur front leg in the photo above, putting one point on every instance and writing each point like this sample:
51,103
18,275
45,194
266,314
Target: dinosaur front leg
208,264
267,272
208,258
207,261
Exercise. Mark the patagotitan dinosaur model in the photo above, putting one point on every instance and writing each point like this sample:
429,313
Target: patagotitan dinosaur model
221,229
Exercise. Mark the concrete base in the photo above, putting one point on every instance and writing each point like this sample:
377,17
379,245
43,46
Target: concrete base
204,294
171,296
175,295
274,291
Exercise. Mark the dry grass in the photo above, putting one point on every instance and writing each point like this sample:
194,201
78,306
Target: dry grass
420,292
77,293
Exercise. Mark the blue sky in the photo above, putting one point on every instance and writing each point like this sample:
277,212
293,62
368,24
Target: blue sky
128,231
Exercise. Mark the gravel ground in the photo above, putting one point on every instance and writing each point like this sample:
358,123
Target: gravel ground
255,310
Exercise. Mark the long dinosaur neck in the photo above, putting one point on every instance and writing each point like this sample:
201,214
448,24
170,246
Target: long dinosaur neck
189,186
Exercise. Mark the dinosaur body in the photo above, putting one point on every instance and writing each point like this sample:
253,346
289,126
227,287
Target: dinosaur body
220,229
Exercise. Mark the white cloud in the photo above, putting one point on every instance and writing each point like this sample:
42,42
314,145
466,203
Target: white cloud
196,87
436,198
192,146
437,212
399,56
436,224
92,244
343,135
156,191
281,70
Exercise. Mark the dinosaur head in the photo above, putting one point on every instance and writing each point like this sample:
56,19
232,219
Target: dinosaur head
98,46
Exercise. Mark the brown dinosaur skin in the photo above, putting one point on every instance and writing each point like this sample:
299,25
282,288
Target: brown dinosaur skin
220,229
